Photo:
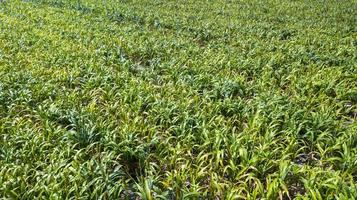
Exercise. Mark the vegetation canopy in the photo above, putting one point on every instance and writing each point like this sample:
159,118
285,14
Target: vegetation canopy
189,99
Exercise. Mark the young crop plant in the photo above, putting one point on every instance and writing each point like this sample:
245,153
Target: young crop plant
154,99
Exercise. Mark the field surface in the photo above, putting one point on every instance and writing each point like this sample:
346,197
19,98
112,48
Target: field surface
189,99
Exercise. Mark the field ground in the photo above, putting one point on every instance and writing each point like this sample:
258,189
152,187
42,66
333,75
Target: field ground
150,99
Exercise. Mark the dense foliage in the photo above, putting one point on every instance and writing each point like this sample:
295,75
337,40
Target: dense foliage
148,99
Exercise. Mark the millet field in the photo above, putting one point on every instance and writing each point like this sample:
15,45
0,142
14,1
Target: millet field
178,99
